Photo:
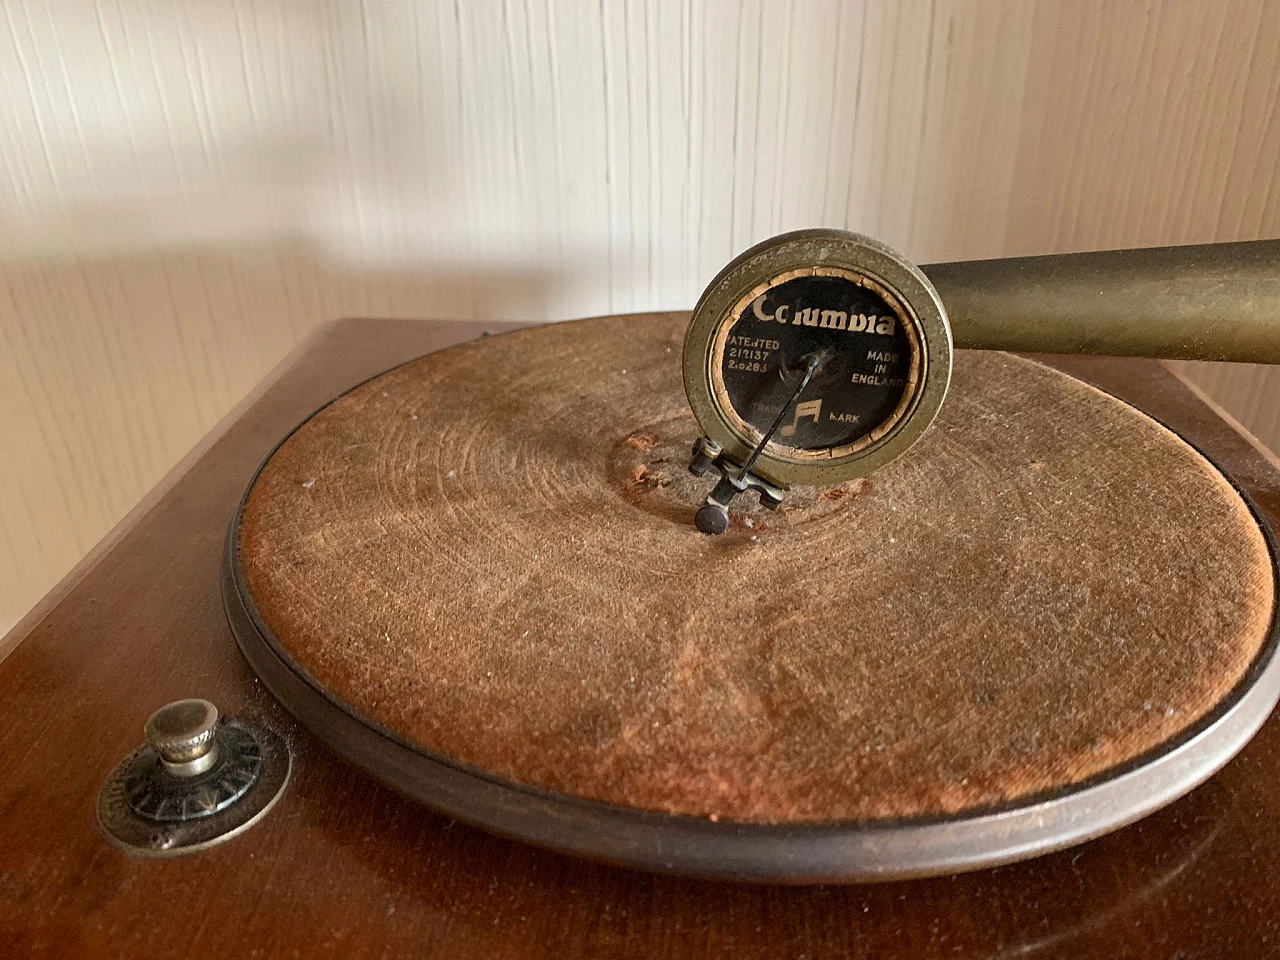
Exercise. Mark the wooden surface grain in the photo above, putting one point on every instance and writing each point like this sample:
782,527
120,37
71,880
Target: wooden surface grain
345,868
188,186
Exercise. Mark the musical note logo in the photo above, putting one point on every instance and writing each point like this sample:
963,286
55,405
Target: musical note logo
810,408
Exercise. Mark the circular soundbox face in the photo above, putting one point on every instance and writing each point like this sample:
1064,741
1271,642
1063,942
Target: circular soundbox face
870,318
477,577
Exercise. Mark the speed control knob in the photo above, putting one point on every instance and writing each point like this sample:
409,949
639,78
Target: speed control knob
184,733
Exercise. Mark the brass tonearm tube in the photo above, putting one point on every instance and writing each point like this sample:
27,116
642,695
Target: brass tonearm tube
1217,301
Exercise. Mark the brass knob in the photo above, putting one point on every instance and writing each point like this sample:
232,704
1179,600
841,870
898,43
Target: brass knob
183,733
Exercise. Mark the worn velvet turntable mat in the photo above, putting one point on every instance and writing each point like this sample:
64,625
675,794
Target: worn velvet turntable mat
487,557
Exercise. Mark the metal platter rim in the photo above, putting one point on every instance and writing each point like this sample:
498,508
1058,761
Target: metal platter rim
797,853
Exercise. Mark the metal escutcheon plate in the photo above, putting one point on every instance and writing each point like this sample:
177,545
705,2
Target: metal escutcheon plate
173,837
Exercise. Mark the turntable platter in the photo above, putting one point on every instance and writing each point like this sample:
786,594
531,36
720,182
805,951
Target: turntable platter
477,576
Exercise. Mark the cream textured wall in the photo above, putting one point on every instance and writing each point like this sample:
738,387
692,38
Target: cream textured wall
187,187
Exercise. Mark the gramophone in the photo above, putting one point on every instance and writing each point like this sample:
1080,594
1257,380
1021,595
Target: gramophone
841,578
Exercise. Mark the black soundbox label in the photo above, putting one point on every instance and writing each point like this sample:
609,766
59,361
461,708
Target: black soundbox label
864,374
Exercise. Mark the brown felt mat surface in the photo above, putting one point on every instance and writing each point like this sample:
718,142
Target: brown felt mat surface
490,551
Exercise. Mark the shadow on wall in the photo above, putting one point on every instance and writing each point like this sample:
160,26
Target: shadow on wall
112,368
